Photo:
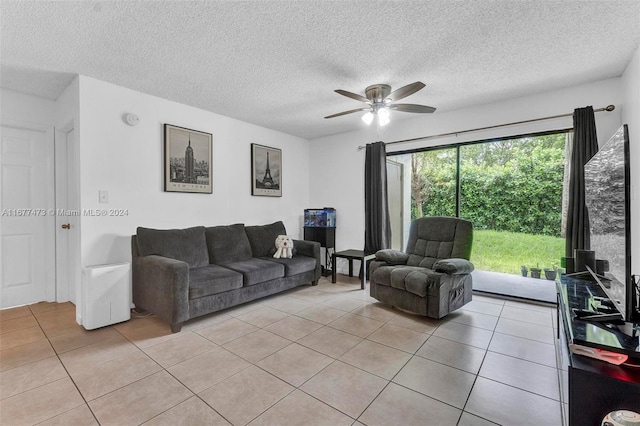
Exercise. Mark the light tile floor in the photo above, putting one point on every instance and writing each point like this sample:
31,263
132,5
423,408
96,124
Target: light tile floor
325,355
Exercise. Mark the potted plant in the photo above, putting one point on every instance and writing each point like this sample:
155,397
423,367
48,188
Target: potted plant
524,270
535,272
550,273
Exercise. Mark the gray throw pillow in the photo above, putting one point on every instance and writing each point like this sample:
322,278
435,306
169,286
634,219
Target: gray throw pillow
188,245
263,238
392,257
453,266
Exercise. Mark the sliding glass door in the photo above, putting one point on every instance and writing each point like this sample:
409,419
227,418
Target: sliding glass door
511,190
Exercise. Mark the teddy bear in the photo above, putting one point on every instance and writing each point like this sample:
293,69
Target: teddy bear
284,246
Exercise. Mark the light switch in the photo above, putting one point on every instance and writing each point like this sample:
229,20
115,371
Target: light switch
103,196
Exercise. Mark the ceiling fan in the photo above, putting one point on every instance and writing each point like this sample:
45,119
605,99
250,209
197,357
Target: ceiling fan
379,99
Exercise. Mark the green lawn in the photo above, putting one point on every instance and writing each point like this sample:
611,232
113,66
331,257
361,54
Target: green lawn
506,251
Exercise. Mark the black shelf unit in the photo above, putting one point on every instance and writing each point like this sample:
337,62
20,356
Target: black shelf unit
327,239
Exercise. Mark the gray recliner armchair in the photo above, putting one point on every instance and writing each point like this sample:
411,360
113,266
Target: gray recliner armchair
433,276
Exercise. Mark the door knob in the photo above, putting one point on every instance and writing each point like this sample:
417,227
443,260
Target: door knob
66,226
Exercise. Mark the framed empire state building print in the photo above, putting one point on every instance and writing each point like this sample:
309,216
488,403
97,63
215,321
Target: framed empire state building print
266,171
187,160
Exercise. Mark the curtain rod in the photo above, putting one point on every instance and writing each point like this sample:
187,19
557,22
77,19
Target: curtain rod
607,108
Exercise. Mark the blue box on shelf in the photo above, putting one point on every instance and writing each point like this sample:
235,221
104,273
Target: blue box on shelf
320,218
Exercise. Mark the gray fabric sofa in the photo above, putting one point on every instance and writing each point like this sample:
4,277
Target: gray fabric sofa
433,276
179,274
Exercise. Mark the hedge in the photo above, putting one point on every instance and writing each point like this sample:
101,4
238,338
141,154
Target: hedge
515,187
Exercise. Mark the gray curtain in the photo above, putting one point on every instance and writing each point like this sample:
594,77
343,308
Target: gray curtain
585,145
377,229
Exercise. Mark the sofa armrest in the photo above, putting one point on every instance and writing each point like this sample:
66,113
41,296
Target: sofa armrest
310,249
454,266
161,286
392,257
306,248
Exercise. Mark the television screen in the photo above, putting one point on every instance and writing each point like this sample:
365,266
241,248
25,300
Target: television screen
607,199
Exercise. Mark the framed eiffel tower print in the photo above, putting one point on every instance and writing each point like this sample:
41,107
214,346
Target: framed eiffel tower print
266,171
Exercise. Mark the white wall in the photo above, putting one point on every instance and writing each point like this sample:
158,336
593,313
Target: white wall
128,163
66,106
337,169
16,107
631,117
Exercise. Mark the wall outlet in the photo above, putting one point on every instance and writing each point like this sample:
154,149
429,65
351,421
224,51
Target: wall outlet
103,196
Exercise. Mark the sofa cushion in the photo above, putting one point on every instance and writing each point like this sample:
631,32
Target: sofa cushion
382,274
227,244
212,279
263,238
417,282
413,279
256,271
295,265
399,276
188,245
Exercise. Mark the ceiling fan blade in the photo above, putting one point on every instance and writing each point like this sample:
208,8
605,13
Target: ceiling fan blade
412,108
348,112
353,96
405,91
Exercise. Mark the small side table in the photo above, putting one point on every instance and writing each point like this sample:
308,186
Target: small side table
351,255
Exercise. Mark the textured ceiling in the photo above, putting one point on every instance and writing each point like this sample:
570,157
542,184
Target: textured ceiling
276,63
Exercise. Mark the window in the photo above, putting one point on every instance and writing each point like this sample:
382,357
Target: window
511,189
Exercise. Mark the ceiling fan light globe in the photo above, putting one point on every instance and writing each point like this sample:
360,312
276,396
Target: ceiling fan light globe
383,117
368,117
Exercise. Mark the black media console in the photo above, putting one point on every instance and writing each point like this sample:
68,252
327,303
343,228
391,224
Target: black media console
592,387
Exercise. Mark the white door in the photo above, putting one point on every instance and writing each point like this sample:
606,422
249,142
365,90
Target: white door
27,230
